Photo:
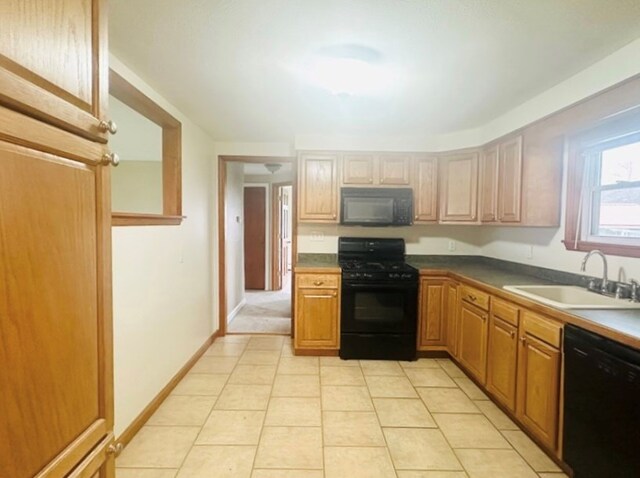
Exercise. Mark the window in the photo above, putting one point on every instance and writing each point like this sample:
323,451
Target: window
147,186
603,202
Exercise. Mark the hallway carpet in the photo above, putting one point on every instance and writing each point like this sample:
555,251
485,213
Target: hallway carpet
266,312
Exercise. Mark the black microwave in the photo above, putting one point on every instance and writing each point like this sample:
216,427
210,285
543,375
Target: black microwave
376,206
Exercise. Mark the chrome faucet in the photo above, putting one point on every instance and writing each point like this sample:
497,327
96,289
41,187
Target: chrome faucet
605,280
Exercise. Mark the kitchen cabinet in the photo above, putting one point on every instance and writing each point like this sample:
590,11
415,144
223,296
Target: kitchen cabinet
472,339
368,169
318,187
502,353
55,249
510,180
317,312
539,361
489,185
459,187
432,312
358,169
59,74
452,318
426,189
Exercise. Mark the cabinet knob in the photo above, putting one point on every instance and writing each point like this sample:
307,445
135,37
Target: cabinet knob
318,282
334,216
523,339
115,449
108,127
371,180
335,294
512,334
110,159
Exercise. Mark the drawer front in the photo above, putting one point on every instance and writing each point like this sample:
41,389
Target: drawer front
474,296
541,328
320,281
505,311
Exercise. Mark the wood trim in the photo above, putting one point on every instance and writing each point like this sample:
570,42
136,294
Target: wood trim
138,219
124,91
135,426
92,463
316,352
222,185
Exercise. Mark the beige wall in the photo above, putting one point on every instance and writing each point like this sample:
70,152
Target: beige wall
136,186
162,288
234,238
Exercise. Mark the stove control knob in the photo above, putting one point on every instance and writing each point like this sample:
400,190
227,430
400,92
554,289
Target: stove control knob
394,275
406,276
367,276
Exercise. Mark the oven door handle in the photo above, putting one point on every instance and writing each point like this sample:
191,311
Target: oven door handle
394,286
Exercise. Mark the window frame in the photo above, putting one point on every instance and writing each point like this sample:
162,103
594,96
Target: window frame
620,130
171,215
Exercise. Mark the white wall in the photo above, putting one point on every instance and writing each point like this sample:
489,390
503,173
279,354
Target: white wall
136,186
162,288
234,237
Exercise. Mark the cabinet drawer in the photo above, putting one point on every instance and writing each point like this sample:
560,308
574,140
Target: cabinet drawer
475,297
541,328
505,311
321,281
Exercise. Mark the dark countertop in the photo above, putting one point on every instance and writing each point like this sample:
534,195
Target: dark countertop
618,324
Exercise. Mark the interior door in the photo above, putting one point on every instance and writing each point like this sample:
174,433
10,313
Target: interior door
56,404
255,208
285,226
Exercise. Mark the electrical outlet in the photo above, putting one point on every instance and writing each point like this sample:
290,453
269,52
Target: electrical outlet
317,236
452,245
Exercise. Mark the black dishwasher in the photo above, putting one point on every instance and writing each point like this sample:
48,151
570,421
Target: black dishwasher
601,406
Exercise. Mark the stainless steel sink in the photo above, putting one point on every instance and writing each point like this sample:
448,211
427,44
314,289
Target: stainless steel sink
570,297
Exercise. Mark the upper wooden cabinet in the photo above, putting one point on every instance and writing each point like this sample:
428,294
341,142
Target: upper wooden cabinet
59,78
510,180
358,169
394,169
318,187
367,169
459,187
426,189
489,185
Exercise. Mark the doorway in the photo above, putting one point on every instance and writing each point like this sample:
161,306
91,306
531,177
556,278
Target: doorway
257,244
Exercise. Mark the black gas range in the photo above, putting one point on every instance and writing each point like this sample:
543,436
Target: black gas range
379,300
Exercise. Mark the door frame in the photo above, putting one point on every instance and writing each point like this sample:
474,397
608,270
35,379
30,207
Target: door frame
223,160
276,220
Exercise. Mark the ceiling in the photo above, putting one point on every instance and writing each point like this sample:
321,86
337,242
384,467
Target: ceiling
233,66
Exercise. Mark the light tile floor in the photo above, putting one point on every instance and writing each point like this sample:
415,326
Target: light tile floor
250,409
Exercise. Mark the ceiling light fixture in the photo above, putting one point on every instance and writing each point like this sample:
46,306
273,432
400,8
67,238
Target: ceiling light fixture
349,69
273,167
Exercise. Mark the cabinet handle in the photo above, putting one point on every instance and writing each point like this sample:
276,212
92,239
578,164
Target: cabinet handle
512,334
472,298
335,294
110,159
108,127
523,339
333,216
483,317
318,282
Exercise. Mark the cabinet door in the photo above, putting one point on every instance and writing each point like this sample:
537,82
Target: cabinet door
472,351
432,312
394,170
489,185
459,188
502,360
510,180
54,62
426,189
317,319
318,188
357,169
452,318
56,405
538,388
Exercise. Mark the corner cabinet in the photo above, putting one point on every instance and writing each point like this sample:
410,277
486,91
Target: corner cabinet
318,187
317,312
56,400
459,187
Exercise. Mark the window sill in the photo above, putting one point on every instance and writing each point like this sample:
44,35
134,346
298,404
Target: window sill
607,248
138,219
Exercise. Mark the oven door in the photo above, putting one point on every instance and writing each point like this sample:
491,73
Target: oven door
379,308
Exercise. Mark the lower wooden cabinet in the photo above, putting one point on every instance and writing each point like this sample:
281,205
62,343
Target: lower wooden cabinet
432,312
452,318
539,361
502,359
317,311
472,339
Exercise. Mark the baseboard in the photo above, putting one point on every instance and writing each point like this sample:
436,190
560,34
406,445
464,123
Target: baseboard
135,426
316,352
232,315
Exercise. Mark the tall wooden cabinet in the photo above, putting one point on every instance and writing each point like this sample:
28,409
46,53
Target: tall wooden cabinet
318,187
56,405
